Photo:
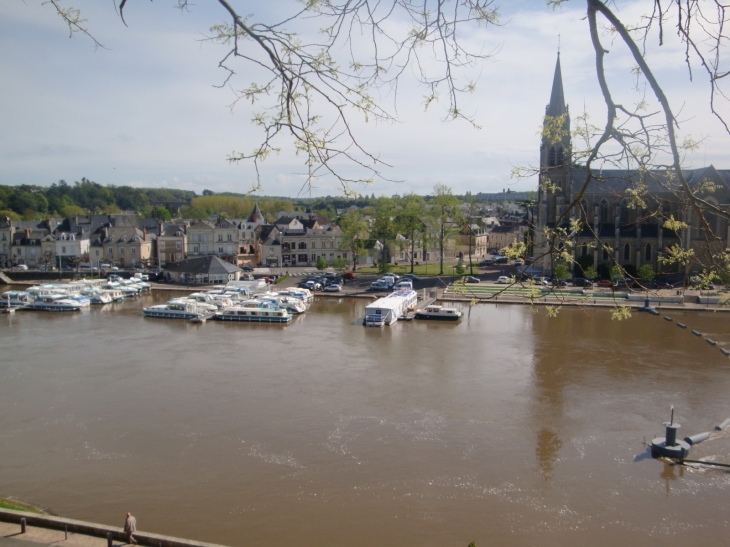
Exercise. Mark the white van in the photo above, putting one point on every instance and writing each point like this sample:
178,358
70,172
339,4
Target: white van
405,284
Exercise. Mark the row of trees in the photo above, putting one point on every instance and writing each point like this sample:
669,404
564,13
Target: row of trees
423,223
30,202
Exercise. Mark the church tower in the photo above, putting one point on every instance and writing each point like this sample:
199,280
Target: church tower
555,178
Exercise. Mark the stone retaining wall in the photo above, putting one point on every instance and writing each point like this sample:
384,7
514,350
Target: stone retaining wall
97,530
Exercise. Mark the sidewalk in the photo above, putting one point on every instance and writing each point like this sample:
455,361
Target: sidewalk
10,536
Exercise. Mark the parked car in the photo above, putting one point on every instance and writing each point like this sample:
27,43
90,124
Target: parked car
312,285
404,284
518,262
348,275
246,269
540,280
487,262
559,283
503,280
20,267
582,282
333,287
501,260
379,286
471,279
605,283
412,277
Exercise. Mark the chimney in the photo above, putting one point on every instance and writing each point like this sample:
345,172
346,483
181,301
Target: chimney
144,234
27,233
159,229
105,232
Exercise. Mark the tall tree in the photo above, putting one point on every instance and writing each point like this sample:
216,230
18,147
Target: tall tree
410,212
384,228
354,235
445,218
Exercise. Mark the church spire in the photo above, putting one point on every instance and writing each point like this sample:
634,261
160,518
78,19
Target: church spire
557,98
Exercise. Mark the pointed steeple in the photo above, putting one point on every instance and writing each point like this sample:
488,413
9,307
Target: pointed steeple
256,215
557,98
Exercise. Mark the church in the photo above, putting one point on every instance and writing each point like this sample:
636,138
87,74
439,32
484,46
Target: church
615,230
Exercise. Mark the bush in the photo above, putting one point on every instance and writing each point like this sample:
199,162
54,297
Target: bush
322,263
281,278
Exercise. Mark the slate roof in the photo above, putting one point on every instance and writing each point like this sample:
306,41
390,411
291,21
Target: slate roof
617,181
203,265
256,211
557,97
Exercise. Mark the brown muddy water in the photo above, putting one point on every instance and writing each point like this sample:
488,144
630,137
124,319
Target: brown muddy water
508,429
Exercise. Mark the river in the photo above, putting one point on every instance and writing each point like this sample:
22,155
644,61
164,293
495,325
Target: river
510,428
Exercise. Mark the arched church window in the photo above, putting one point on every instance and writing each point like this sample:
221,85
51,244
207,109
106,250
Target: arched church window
560,156
624,213
647,253
627,252
551,160
604,210
584,211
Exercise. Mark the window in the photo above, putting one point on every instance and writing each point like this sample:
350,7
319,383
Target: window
230,237
624,213
551,161
314,258
162,245
627,252
121,250
344,255
314,244
332,244
96,253
196,249
605,254
302,245
133,251
220,237
647,254
111,251
220,250
604,210
560,156
63,250
584,250
178,245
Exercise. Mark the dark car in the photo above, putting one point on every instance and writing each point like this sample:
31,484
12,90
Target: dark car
471,279
246,269
501,260
559,283
411,277
582,282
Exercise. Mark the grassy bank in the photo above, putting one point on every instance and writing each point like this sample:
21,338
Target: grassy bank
15,505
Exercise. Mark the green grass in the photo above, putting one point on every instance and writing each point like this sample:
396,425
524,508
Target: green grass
15,505
421,269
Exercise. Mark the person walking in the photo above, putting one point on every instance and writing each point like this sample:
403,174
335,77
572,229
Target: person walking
130,527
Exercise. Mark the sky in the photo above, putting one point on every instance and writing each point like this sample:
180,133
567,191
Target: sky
145,111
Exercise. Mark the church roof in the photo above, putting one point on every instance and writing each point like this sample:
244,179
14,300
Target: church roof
557,97
617,181
203,265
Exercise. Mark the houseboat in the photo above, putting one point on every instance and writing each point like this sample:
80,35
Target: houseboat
438,313
54,302
254,311
15,299
386,311
179,310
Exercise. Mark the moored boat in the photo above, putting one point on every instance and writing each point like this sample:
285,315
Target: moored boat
438,313
54,302
179,310
254,311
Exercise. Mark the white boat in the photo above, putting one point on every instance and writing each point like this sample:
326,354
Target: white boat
255,311
290,303
115,294
178,310
305,295
98,296
386,311
54,302
438,313
82,299
205,298
15,299
116,286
